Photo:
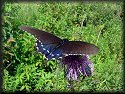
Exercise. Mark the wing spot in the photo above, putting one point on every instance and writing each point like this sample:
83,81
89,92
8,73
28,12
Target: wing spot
48,51
44,49
39,41
53,58
60,57
37,48
41,45
52,54
47,59
73,54
57,54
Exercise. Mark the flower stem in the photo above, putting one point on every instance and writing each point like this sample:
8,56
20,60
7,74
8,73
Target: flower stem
70,85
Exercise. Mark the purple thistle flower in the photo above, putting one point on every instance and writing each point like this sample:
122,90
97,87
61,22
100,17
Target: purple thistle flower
77,64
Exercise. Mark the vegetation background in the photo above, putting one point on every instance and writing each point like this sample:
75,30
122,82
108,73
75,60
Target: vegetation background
24,68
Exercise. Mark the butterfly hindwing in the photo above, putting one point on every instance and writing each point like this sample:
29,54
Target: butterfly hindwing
56,53
79,47
49,50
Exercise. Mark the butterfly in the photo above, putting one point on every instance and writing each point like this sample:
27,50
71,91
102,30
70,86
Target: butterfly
54,47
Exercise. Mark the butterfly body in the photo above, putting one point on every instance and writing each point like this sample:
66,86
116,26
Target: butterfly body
54,47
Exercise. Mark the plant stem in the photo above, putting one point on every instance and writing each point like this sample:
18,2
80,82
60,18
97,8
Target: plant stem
70,85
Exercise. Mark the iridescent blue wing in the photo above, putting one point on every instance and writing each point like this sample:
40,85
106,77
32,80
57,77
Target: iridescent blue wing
49,50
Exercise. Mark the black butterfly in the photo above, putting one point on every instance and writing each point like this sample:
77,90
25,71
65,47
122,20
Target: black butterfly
54,47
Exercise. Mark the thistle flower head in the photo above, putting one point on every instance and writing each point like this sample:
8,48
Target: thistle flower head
76,65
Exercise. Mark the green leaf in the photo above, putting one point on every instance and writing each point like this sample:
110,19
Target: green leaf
22,88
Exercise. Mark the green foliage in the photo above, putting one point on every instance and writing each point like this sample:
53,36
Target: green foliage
25,69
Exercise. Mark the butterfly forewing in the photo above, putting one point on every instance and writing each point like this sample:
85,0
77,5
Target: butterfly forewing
41,35
79,47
